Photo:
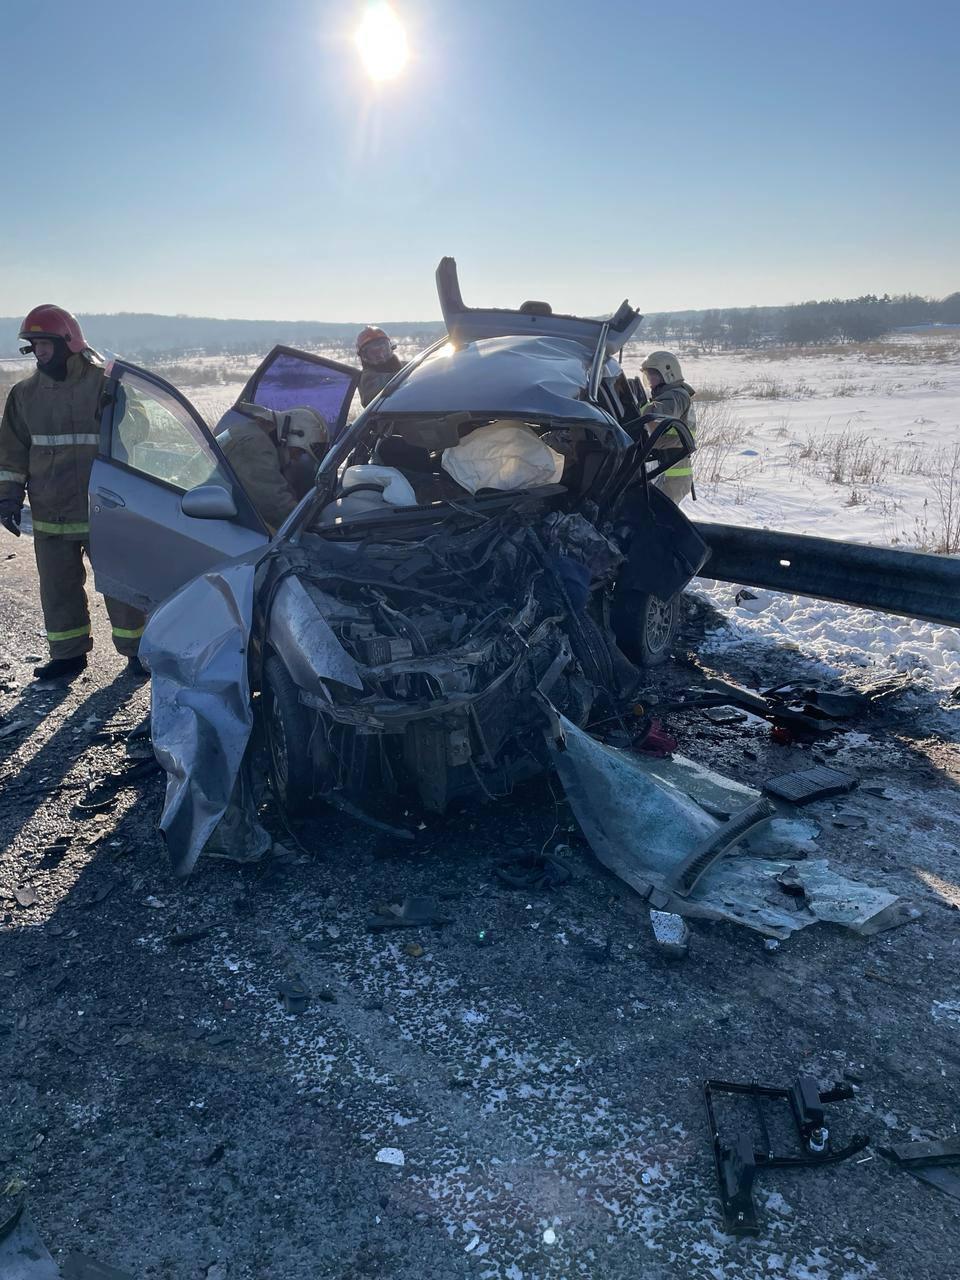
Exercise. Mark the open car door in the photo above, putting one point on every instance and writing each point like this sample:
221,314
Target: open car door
288,379
164,504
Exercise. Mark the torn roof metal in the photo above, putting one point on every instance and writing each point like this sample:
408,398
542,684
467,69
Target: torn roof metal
506,377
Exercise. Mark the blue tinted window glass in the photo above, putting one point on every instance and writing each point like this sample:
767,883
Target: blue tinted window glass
289,382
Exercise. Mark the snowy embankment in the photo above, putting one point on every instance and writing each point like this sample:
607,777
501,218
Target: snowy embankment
859,444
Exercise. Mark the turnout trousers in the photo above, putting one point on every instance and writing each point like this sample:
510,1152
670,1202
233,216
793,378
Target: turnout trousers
64,601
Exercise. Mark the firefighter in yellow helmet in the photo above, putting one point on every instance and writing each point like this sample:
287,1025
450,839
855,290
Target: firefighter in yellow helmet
671,397
48,440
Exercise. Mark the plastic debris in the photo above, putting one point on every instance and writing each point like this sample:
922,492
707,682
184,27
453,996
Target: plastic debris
294,995
549,1236
26,895
806,785
936,1163
391,1155
725,715
671,934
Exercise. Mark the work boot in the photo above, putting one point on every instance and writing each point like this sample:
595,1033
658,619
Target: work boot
61,668
136,668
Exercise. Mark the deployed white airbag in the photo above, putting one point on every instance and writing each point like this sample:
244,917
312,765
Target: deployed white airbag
397,489
502,455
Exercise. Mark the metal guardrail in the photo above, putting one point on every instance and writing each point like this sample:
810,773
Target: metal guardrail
910,583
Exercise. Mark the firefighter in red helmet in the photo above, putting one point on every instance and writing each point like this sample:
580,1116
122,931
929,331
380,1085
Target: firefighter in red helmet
378,362
48,440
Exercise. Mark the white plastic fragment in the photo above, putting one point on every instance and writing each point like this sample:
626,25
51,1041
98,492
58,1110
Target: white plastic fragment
549,1236
391,1155
670,933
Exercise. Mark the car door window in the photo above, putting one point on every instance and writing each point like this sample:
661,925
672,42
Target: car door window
288,378
154,434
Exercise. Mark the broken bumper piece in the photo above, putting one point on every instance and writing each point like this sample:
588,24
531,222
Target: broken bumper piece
644,826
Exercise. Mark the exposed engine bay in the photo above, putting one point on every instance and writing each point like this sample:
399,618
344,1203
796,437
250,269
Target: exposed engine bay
463,633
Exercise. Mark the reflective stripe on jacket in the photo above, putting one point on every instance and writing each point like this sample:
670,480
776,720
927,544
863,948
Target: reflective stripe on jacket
674,400
49,438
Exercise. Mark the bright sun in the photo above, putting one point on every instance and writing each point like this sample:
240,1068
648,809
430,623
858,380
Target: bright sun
382,42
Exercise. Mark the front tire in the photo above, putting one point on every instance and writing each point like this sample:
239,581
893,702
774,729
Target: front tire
646,627
287,733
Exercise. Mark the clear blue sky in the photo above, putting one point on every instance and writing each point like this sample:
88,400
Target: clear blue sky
230,157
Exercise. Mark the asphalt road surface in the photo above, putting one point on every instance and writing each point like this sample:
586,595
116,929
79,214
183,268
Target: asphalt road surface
537,1061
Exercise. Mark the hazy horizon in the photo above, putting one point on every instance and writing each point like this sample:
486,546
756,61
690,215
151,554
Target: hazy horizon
437,319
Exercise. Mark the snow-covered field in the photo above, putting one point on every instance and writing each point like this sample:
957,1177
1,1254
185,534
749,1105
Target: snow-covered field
861,444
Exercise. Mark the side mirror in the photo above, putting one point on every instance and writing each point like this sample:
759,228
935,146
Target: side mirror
208,502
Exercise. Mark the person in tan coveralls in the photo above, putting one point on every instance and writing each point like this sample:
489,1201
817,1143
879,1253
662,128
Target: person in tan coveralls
274,454
49,437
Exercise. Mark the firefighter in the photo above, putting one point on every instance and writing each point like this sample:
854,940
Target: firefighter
274,453
48,441
378,360
671,397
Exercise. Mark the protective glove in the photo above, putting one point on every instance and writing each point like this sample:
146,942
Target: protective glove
300,472
10,510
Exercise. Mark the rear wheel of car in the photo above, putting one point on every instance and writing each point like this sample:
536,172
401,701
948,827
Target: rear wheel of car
646,627
287,732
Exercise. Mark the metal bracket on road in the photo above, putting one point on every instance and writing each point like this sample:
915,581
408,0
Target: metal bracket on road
738,1163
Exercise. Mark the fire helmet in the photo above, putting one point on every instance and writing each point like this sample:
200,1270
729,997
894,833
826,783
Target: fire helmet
665,363
371,334
301,427
48,321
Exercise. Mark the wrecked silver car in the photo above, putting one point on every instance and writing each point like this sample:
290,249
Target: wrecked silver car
482,550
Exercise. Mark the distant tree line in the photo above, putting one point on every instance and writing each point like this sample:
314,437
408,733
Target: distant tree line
802,324
148,338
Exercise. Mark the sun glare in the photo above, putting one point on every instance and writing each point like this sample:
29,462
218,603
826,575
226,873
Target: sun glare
382,42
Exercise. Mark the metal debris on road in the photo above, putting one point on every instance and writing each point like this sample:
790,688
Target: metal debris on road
738,1162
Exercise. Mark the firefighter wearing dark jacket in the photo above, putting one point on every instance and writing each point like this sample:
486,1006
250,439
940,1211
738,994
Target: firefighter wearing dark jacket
48,441
378,362
671,397
274,454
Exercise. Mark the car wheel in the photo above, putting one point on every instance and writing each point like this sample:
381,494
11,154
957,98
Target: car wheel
287,733
646,627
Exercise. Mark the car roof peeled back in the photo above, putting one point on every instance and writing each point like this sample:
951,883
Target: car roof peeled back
506,377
